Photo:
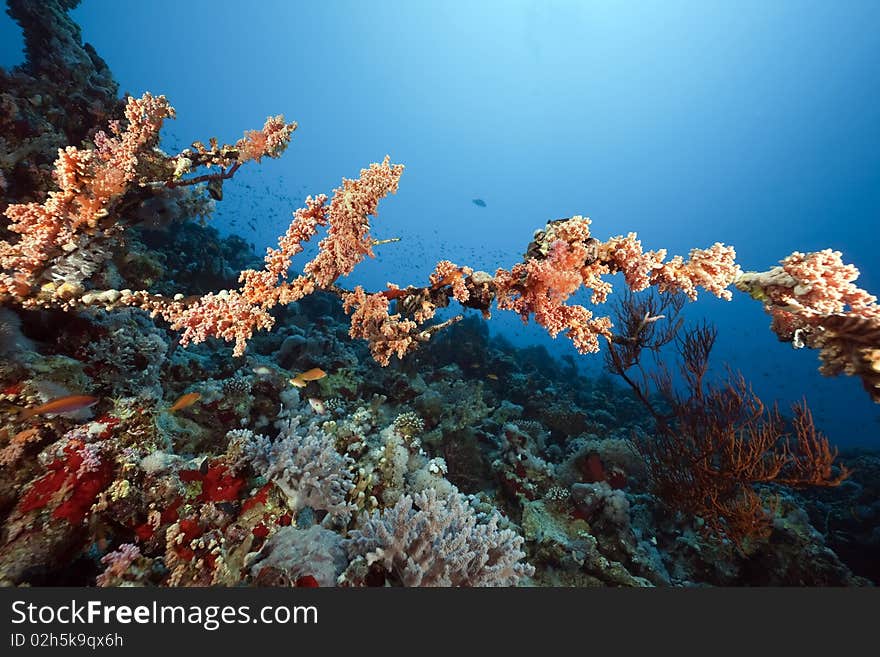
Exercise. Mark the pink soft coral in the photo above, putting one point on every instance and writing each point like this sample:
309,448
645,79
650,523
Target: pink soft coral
568,258
370,320
348,239
90,181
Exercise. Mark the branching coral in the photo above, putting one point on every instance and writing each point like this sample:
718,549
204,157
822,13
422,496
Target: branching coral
565,257
59,248
708,463
305,465
429,540
815,303
388,334
82,214
715,441
90,182
292,554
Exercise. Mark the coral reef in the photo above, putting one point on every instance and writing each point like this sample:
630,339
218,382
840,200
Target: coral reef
157,427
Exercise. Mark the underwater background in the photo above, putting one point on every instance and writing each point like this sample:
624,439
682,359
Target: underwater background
754,124
750,123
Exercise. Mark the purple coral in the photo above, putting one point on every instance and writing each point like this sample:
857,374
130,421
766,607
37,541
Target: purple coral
305,465
294,553
433,540
117,563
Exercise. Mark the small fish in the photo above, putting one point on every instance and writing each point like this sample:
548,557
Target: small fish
317,406
185,401
480,202
215,189
262,370
67,404
302,378
494,377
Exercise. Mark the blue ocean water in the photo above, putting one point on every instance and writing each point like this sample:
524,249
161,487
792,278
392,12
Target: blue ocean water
755,124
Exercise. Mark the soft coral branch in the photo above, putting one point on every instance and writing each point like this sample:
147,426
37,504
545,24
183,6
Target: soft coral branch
93,183
814,302
90,182
811,297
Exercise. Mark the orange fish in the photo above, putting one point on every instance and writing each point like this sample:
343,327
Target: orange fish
67,404
185,401
302,378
